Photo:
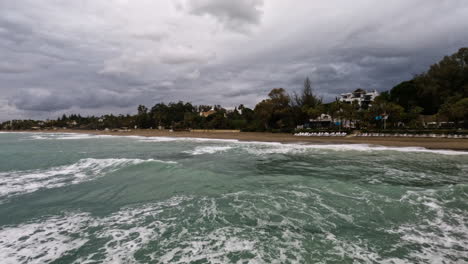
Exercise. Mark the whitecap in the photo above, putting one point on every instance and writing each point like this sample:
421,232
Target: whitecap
440,235
66,136
47,239
186,139
278,148
267,147
209,150
42,241
20,182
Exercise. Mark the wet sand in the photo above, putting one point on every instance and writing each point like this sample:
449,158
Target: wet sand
429,143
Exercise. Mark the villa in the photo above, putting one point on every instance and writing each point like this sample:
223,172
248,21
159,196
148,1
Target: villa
362,97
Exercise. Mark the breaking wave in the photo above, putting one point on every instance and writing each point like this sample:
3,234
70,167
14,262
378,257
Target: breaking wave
66,136
256,147
278,148
294,226
20,182
209,150
440,233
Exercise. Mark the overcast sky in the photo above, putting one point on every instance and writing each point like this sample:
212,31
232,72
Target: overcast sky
101,56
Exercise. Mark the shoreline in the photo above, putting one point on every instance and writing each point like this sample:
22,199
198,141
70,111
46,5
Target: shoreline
428,143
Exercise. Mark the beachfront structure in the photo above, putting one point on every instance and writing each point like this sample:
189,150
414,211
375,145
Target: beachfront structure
435,121
322,121
362,97
326,121
208,113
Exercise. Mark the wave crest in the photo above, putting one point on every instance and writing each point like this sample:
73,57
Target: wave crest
21,182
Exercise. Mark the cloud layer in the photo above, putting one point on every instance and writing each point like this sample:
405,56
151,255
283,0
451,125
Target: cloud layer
96,56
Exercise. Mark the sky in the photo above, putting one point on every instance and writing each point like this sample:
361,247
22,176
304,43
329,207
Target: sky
108,56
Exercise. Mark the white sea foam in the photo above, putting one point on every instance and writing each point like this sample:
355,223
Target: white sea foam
209,150
10,132
65,136
257,147
46,240
42,241
185,139
165,232
278,148
442,234
267,147
20,182
210,248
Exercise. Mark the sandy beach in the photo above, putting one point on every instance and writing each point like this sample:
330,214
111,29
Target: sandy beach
429,143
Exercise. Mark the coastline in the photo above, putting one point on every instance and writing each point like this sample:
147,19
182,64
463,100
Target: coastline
428,143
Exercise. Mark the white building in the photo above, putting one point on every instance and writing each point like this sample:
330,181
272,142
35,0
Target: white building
362,97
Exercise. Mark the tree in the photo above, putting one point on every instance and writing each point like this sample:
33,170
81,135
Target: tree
307,97
430,90
143,120
275,112
204,108
381,107
460,111
456,111
159,114
305,104
445,79
405,94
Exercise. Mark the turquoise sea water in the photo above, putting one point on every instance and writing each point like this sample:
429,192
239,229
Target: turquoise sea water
72,198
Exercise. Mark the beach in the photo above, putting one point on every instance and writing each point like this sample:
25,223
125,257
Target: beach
429,143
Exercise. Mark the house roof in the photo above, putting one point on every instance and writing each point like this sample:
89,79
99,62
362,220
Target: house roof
359,90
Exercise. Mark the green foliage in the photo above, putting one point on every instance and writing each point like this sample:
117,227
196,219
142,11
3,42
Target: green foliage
275,112
443,81
456,111
405,94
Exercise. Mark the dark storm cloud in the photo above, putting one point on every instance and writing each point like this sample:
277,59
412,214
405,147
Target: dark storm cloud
97,56
46,100
236,15
7,67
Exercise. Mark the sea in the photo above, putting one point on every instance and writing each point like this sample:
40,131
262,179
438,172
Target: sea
79,198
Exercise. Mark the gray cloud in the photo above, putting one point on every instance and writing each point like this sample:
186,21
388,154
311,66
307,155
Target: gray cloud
236,15
182,55
40,99
99,56
8,67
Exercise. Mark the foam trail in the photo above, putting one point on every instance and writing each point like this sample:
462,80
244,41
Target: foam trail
65,136
282,148
41,242
277,147
44,240
190,139
20,182
272,148
209,150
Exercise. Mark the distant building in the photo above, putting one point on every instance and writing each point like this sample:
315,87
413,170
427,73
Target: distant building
435,121
232,110
72,123
362,97
322,121
208,113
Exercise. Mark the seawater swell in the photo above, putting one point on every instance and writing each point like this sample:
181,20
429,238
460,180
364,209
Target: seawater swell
14,183
261,147
229,202
299,225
